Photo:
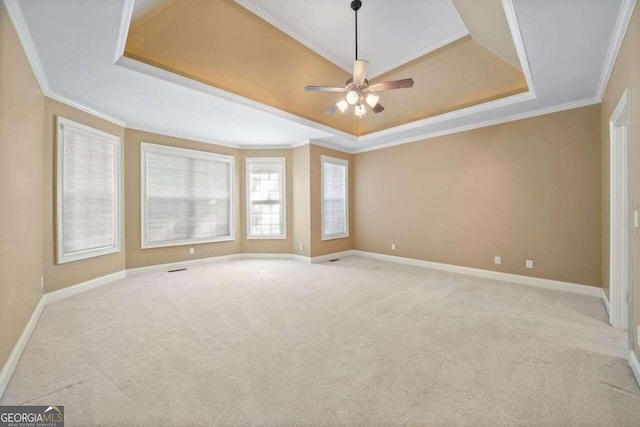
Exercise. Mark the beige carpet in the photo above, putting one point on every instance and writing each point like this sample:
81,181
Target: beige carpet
352,342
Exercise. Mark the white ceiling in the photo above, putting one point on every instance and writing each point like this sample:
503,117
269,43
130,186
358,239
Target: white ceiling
569,45
390,33
143,7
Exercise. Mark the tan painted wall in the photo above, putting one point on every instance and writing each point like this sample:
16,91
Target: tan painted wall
528,189
137,257
626,75
267,245
72,273
22,189
318,246
301,201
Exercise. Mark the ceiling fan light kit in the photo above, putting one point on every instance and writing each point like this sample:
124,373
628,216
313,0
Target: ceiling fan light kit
357,89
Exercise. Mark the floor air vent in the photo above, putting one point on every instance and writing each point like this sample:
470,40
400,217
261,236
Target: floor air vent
179,269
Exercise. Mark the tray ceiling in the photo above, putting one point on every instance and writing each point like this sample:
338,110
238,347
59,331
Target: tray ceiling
220,43
566,49
391,33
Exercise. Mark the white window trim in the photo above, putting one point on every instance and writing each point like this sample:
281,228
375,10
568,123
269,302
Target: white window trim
283,189
146,147
63,258
341,162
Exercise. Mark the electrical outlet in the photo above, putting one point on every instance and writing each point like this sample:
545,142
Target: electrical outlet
41,282
393,246
635,219
301,246
638,342
529,264
192,251
497,260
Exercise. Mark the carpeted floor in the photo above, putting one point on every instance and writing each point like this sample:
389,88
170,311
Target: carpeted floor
357,341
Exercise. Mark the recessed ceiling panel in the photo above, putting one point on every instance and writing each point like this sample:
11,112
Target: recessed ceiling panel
220,43
390,33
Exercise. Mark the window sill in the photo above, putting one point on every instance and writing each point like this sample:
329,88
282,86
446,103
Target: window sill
341,236
185,243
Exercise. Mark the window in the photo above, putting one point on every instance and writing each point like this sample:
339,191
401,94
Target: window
266,209
186,196
335,198
88,192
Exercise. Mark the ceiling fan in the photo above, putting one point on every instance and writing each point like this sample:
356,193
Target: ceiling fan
357,89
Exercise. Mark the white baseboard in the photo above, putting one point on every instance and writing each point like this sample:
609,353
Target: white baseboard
200,261
267,256
83,287
181,264
635,366
329,257
605,301
495,275
14,357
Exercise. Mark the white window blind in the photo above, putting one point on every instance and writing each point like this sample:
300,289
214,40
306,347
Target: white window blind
335,198
266,211
187,196
88,192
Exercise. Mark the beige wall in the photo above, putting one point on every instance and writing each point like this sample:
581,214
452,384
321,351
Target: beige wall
318,246
528,189
626,75
58,276
21,192
267,245
301,201
137,257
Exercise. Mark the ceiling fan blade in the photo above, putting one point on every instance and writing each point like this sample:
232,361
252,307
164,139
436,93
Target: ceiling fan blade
331,109
324,89
396,84
378,108
360,69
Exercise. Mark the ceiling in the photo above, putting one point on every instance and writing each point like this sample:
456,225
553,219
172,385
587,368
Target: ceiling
390,33
220,43
565,50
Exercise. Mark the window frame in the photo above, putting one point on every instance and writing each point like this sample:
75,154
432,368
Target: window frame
61,257
282,161
147,147
340,162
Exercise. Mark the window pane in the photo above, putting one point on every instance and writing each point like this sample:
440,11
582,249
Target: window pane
89,191
265,198
334,207
187,198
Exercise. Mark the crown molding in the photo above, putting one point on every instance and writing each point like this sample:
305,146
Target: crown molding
516,34
123,30
183,136
20,24
501,120
622,24
79,106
